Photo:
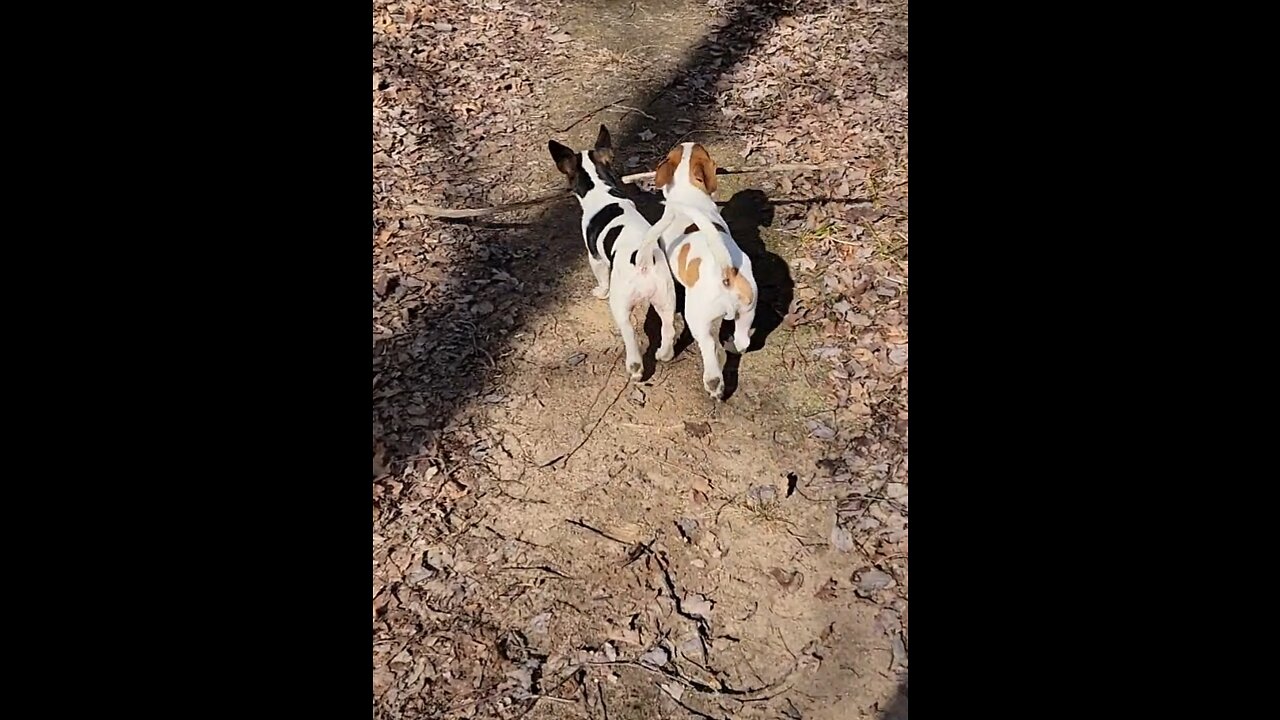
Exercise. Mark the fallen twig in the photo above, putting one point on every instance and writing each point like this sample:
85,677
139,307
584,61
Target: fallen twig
629,179
784,167
606,106
565,456
543,568
597,531
483,212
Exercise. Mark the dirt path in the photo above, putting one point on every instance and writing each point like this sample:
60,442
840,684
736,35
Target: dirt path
551,538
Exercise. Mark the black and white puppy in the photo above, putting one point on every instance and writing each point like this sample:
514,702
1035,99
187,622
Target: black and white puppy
614,231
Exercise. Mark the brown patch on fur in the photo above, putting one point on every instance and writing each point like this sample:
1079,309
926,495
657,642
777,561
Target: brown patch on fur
702,169
666,169
738,284
688,271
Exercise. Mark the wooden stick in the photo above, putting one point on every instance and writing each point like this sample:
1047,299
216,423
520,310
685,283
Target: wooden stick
785,167
482,212
628,179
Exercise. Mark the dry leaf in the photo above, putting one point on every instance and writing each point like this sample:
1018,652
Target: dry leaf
698,605
676,691
657,657
820,430
791,581
841,539
688,528
899,652
697,429
870,581
827,591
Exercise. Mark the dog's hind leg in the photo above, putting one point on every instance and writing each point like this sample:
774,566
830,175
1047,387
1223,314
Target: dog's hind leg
699,323
664,302
600,268
742,330
621,309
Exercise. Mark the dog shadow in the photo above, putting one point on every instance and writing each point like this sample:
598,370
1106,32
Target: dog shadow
746,213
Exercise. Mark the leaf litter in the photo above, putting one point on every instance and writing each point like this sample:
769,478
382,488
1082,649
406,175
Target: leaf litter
458,124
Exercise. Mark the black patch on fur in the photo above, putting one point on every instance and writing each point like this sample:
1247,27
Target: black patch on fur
597,225
633,256
694,228
582,182
610,238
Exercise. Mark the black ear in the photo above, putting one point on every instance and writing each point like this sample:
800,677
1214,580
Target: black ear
602,140
566,160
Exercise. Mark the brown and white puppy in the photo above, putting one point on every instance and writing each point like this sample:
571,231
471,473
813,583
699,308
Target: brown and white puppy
614,232
714,271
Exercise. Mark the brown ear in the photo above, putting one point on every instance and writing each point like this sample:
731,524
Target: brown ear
703,168
666,170
565,158
663,173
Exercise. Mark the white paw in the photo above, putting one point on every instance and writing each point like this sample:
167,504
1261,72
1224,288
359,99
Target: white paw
600,292
714,387
636,369
740,346
665,354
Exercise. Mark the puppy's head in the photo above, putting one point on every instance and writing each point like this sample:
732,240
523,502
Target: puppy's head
586,168
702,169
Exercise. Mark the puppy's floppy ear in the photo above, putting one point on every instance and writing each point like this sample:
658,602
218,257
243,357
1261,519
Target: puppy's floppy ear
666,170
566,159
604,146
663,173
703,168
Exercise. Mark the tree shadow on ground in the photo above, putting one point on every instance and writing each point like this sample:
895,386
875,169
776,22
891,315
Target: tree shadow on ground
897,708
449,352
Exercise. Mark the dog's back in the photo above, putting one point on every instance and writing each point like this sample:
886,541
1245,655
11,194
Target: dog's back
727,287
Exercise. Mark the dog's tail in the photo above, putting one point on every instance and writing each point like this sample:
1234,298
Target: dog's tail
649,245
